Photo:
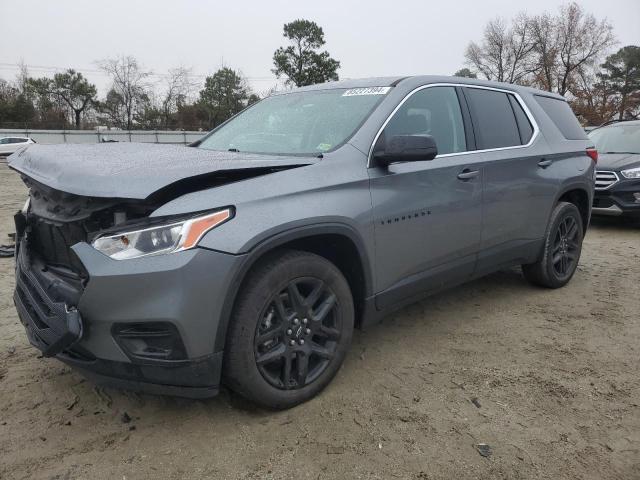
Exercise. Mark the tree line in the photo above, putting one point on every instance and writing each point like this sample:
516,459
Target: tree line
177,101
569,53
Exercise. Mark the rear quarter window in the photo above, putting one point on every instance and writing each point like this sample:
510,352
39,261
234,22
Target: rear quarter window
524,125
562,116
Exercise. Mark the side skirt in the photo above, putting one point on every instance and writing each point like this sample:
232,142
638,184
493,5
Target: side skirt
412,290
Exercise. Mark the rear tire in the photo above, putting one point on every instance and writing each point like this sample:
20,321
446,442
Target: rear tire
290,330
561,251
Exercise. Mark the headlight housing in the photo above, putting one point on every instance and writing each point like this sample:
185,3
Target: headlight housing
159,239
631,173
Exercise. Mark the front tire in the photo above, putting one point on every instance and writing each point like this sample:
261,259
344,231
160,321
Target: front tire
561,251
290,330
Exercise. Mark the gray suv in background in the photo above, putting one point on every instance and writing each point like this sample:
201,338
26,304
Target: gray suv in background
249,258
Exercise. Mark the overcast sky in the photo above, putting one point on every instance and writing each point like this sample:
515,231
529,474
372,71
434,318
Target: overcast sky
370,38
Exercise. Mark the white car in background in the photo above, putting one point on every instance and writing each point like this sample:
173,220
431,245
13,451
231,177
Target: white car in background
9,145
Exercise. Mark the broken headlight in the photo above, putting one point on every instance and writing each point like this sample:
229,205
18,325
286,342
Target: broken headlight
159,239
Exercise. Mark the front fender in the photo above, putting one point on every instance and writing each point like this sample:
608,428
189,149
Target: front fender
262,247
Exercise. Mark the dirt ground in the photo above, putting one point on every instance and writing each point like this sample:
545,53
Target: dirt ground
548,379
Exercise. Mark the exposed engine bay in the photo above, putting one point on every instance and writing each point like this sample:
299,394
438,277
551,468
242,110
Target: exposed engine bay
56,220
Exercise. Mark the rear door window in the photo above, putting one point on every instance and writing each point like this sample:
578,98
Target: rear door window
562,116
493,119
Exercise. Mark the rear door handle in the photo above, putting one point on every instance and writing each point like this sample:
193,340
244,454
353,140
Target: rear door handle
544,163
467,174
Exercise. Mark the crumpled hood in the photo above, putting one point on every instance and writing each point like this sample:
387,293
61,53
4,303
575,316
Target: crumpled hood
618,161
133,170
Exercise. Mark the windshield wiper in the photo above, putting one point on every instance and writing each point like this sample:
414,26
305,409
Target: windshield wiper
624,153
233,150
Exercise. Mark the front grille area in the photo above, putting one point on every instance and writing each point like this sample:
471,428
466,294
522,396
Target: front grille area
606,179
53,242
51,324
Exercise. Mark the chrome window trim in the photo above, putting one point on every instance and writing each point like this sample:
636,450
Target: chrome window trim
534,124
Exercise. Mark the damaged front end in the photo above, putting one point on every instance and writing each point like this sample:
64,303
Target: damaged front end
50,278
112,287
134,323
136,320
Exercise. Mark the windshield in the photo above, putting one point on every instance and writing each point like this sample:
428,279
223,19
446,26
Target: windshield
297,123
617,139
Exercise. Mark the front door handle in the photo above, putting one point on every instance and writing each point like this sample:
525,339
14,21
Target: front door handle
467,174
544,163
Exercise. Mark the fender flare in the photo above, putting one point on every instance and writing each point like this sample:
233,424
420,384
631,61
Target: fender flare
576,185
264,246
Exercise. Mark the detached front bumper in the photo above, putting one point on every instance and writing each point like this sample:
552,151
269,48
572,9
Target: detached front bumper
622,199
147,324
50,323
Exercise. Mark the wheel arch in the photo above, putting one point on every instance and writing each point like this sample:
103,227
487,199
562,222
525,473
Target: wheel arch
579,196
338,243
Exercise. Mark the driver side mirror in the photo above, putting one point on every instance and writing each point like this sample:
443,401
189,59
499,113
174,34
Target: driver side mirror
404,148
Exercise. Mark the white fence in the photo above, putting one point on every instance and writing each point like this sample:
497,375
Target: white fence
95,136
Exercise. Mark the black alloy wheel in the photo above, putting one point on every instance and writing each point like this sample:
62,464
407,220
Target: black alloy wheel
298,334
290,329
561,249
566,246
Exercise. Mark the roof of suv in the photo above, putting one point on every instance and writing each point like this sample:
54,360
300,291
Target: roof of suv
421,79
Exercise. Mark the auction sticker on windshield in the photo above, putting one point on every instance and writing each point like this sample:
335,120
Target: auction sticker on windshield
352,92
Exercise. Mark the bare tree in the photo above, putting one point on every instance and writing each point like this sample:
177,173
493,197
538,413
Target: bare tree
566,45
178,86
521,48
545,45
505,52
547,51
582,41
22,77
128,89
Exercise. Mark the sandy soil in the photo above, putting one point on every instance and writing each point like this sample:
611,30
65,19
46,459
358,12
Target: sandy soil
554,376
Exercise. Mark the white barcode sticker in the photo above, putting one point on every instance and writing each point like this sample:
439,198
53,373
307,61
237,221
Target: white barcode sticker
352,92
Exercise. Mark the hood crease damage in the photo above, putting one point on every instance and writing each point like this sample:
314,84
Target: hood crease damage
129,171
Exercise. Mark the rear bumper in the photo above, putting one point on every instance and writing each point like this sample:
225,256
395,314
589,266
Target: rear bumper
124,304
